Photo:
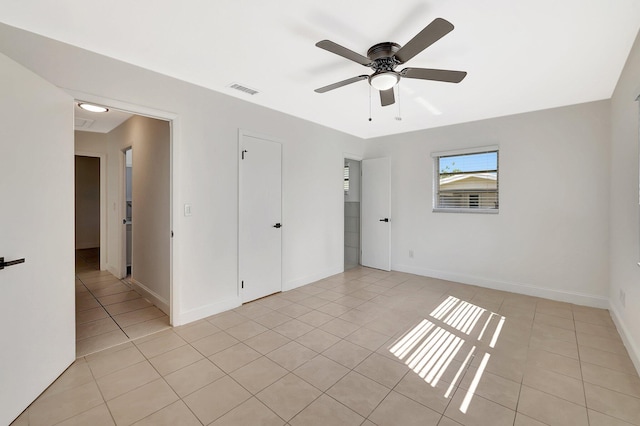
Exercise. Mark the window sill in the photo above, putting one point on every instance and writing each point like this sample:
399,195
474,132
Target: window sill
472,211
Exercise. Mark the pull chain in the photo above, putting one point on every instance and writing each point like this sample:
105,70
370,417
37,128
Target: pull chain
399,117
369,102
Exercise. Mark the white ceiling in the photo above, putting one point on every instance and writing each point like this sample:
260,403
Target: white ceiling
99,122
520,55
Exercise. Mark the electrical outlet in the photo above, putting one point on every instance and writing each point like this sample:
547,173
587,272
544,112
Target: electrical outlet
623,298
411,254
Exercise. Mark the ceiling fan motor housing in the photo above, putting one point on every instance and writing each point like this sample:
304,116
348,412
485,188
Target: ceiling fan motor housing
382,50
383,63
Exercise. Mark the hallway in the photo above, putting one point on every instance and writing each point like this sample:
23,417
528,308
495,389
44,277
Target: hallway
108,311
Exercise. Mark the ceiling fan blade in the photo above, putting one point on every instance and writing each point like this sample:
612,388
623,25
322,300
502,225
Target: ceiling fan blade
425,38
343,51
341,83
436,75
387,97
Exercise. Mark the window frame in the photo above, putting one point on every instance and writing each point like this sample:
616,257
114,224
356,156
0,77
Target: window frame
436,179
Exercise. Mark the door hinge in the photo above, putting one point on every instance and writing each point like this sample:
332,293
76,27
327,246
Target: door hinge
243,151
242,284
171,234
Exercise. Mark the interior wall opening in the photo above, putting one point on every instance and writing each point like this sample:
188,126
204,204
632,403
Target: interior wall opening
351,213
87,208
129,296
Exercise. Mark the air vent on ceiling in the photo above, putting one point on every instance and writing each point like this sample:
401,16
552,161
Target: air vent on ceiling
83,123
243,88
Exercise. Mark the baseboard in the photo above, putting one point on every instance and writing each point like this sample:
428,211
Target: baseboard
160,302
632,346
577,298
181,318
299,282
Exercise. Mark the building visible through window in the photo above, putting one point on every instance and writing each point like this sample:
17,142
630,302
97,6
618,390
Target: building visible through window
466,181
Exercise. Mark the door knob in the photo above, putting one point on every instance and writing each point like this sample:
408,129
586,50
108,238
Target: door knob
386,219
9,263
277,225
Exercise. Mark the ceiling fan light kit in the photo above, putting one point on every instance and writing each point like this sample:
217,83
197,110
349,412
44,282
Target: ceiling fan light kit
384,80
383,58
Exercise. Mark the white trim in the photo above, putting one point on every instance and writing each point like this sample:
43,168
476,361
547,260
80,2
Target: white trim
113,270
122,196
464,151
632,346
577,298
174,185
465,210
299,282
436,179
103,203
201,312
121,105
354,157
152,296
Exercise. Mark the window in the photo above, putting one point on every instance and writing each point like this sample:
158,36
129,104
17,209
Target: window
466,181
346,178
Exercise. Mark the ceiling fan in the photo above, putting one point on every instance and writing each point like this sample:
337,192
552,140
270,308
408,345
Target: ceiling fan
383,58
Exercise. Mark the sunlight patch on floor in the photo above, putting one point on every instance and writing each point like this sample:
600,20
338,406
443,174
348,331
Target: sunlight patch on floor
430,347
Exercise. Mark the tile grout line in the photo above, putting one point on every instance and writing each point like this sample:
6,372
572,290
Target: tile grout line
103,306
368,356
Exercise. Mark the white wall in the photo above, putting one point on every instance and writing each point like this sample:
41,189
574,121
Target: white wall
150,142
205,161
550,237
624,254
90,142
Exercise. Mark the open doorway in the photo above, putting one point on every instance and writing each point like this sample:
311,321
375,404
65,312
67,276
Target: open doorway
351,213
87,209
130,295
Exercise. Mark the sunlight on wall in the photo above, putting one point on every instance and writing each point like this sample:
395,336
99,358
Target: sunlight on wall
430,347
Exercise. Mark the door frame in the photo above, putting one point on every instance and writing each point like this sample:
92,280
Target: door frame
174,184
103,203
241,134
122,195
354,157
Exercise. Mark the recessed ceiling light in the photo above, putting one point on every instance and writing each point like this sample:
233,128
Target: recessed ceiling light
92,108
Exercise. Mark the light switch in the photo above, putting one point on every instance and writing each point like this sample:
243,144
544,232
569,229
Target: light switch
187,209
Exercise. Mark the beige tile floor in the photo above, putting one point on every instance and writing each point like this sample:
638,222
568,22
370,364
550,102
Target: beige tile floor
362,348
108,311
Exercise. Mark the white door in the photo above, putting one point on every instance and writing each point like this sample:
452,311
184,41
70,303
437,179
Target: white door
37,298
260,207
376,214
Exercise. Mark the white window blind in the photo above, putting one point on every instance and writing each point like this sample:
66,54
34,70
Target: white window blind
466,181
346,179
